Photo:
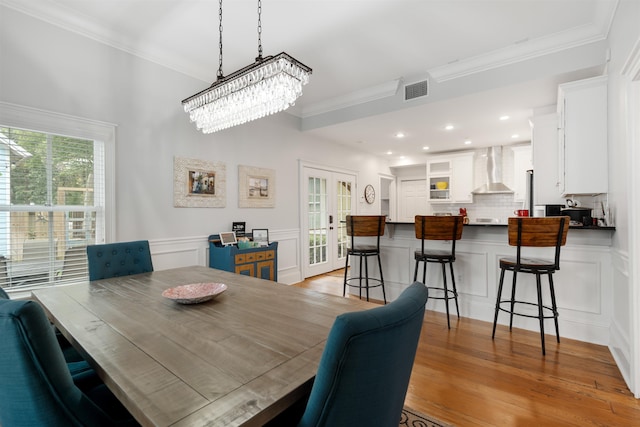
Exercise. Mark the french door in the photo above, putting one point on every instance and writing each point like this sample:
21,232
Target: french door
328,197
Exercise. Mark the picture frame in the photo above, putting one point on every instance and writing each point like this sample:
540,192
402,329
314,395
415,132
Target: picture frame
239,228
227,238
261,236
256,187
199,183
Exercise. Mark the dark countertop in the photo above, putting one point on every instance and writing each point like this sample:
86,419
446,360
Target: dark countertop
571,227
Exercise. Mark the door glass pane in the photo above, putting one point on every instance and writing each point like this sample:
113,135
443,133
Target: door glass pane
343,195
317,220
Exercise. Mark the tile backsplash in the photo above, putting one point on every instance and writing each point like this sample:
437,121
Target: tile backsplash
498,206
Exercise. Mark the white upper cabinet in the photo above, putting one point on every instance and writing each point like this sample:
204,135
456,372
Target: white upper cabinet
521,164
582,137
462,178
450,178
544,141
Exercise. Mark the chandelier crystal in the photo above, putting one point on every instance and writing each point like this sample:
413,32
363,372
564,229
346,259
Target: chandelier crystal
268,86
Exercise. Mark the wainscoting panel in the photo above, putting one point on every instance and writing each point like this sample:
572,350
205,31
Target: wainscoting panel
185,252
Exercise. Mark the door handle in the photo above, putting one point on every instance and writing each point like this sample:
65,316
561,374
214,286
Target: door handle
330,219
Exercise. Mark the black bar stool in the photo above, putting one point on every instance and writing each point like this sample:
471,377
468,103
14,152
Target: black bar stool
532,232
439,228
364,226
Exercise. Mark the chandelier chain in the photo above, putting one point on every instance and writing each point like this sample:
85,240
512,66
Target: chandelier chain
259,30
220,75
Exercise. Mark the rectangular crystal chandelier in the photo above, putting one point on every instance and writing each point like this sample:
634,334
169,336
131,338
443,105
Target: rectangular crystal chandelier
268,86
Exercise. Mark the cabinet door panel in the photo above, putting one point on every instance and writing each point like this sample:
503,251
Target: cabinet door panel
462,178
245,269
265,270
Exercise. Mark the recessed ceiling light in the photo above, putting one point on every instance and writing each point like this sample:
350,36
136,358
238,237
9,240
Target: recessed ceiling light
504,118
389,152
425,148
399,135
449,127
467,142
515,135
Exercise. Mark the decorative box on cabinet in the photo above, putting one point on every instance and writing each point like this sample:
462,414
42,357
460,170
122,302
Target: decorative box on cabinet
259,262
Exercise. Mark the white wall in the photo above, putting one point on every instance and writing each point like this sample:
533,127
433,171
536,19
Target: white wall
625,32
52,69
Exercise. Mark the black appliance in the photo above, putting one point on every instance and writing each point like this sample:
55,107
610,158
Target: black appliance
553,210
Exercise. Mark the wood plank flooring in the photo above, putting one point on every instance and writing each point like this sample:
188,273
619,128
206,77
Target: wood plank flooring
463,377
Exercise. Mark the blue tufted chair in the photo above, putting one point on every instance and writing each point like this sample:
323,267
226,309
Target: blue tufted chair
119,259
36,388
365,368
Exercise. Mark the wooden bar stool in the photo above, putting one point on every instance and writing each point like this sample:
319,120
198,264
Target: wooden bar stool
364,226
532,232
439,228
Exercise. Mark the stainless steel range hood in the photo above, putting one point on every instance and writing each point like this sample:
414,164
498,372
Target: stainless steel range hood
494,183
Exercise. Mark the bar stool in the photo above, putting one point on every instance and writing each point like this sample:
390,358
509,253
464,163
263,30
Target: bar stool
364,226
532,232
439,228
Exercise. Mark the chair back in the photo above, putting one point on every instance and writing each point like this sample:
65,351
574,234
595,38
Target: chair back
364,371
436,227
365,226
119,259
539,232
36,388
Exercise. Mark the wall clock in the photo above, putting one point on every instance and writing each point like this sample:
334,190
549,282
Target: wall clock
369,194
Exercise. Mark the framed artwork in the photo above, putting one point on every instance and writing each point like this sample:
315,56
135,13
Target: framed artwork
199,184
260,235
256,187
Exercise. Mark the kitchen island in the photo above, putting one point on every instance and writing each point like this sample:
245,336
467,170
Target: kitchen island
583,283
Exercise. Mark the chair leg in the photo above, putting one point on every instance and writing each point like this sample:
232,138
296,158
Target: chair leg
424,272
360,279
346,268
446,293
366,274
495,317
455,290
415,271
384,295
554,306
513,298
540,311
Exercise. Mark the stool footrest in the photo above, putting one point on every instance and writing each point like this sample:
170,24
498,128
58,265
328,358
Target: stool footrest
452,293
533,316
377,282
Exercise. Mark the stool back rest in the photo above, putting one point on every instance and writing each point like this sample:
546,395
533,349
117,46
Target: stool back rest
432,227
365,226
539,232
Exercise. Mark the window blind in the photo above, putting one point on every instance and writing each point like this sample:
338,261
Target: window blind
51,207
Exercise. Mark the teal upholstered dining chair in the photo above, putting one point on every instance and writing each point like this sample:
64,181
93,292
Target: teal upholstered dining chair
119,259
365,368
36,388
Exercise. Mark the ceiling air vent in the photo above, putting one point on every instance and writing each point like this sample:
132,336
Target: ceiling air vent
416,90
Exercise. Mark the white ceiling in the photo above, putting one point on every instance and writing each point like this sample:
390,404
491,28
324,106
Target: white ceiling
363,51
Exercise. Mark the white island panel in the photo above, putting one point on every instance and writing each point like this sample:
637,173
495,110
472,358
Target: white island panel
583,283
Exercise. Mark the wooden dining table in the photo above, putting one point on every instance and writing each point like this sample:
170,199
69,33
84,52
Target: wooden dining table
239,359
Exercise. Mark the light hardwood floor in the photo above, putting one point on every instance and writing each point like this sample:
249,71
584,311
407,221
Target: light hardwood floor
463,377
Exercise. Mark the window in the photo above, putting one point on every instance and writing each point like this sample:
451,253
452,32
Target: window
53,193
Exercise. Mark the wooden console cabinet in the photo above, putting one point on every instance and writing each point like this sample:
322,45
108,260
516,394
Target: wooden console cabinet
257,262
